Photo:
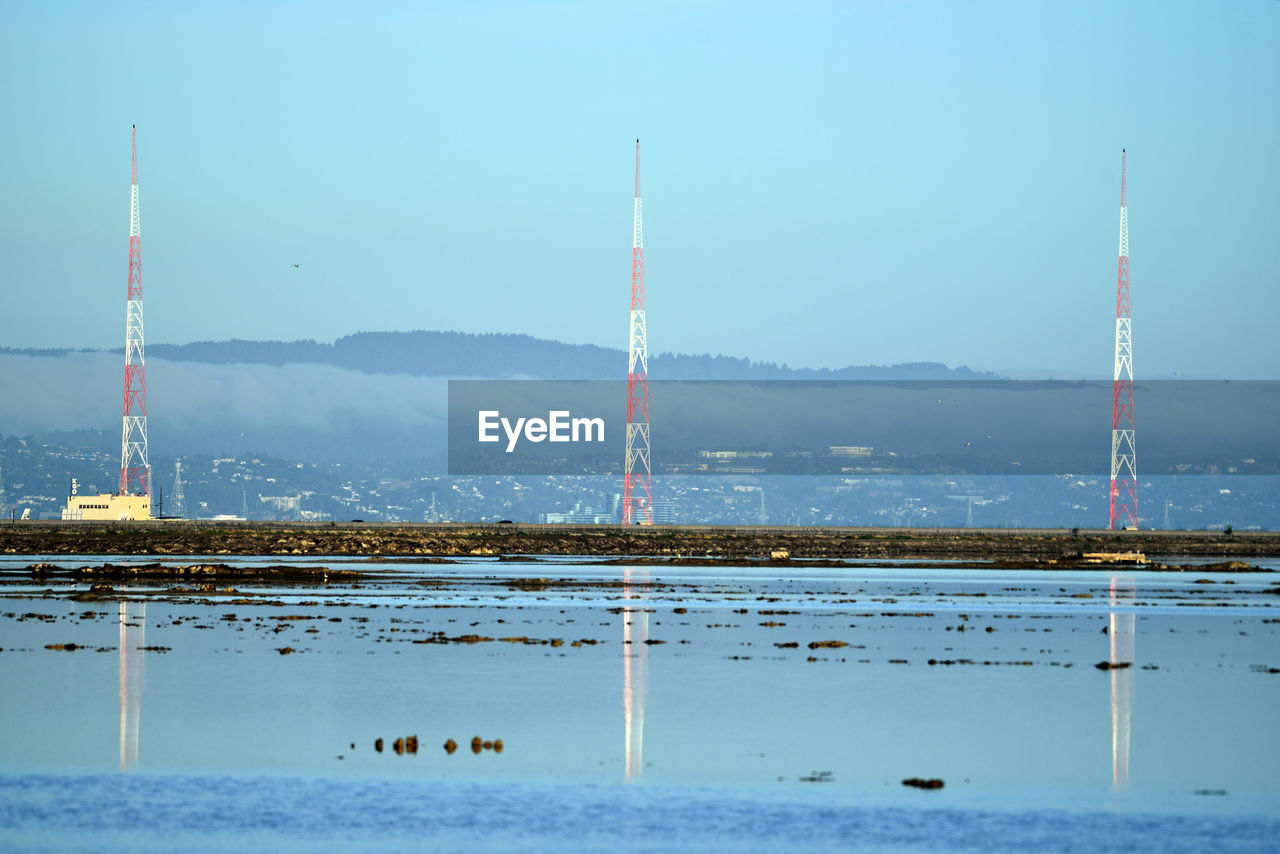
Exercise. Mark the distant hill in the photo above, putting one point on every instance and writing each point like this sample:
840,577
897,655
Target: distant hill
497,355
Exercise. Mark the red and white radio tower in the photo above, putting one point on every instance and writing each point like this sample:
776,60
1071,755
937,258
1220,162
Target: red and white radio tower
135,470
637,491
1124,457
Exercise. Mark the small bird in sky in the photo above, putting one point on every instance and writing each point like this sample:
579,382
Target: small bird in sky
296,266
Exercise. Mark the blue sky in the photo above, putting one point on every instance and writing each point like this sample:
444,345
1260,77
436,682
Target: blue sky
825,184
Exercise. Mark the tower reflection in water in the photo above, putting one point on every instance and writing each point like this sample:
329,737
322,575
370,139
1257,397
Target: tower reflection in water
635,631
133,628
1121,634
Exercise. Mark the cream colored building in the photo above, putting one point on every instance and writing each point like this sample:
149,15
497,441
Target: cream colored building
107,508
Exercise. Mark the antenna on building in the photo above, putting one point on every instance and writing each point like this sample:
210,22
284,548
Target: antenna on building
637,490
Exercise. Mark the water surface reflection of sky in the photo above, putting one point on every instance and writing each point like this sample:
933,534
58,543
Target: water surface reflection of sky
849,679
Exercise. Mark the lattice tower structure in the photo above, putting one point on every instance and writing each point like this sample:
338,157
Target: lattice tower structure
135,469
637,487
1124,455
179,492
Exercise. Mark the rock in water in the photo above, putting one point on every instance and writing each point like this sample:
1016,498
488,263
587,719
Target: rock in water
921,783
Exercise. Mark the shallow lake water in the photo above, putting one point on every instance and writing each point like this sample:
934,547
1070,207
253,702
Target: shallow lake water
641,708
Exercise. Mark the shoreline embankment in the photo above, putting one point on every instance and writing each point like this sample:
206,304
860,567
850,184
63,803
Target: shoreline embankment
780,545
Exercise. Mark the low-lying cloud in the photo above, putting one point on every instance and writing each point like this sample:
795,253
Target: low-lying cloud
290,410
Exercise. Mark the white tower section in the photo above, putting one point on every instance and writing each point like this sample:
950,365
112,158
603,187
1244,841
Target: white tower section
638,351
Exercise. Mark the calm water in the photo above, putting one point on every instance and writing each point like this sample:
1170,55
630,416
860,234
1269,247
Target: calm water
643,709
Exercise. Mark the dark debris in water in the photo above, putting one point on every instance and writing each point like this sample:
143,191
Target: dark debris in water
949,662
102,577
409,744
923,783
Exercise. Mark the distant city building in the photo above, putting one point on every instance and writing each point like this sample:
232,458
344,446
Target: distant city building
664,513
850,450
580,515
286,504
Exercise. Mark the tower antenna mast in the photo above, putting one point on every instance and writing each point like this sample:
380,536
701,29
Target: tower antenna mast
1124,457
135,470
637,490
